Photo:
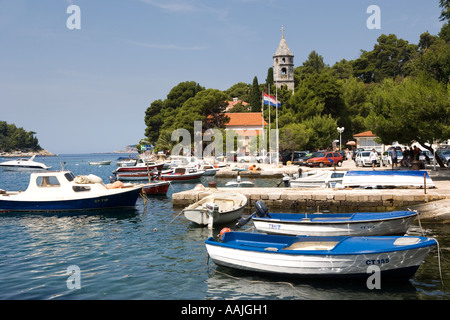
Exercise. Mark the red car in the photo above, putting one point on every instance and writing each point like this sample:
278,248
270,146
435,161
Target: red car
326,158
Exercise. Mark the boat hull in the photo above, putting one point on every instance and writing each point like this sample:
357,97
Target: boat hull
181,177
229,208
125,199
201,217
267,256
156,188
387,178
360,224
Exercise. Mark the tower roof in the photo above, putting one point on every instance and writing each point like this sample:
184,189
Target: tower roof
283,49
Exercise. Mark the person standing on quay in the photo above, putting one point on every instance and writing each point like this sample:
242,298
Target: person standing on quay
373,157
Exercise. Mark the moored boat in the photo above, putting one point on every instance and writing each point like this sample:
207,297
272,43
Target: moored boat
387,178
304,256
100,163
156,188
333,224
218,208
53,191
182,174
325,179
23,164
140,166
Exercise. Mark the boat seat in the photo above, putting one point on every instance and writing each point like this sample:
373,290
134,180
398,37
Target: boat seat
312,245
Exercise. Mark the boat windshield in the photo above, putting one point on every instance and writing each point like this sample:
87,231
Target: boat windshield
69,176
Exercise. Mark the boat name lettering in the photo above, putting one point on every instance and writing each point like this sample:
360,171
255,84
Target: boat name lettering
274,226
377,261
101,200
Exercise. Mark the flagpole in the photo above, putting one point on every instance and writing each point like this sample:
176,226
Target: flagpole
262,123
276,108
270,140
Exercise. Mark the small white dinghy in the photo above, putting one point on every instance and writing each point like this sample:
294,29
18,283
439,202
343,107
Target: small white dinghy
215,209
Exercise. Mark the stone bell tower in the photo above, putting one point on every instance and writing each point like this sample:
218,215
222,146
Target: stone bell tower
283,65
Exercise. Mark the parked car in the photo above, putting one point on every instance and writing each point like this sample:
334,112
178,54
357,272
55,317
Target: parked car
426,156
363,159
355,152
386,158
444,155
326,158
293,156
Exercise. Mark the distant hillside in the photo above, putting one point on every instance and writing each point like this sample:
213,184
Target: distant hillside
17,139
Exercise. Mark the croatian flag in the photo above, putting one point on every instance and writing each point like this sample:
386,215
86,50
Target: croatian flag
270,100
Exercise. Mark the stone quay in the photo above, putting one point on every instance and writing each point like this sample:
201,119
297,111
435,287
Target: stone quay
335,200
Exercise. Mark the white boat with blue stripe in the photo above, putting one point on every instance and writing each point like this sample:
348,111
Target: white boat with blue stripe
387,179
317,257
333,224
55,191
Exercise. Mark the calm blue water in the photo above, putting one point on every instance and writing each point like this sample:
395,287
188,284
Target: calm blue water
154,253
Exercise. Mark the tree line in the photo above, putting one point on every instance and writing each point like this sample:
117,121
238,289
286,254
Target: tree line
399,90
17,139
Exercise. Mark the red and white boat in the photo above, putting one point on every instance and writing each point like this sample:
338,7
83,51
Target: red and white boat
160,187
135,176
140,166
183,174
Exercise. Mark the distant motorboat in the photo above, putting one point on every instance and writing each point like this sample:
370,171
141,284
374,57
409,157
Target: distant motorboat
215,209
387,178
100,163
23,164
55,191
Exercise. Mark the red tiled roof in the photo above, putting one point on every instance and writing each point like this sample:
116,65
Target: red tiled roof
365,134
245,119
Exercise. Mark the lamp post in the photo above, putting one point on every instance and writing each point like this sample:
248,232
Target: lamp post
340,130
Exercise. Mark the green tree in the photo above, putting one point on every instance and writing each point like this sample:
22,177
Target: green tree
414,110
322,131
154,120
445,14
294,136
390,57
255,96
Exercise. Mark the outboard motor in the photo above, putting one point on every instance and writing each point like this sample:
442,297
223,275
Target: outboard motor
261,210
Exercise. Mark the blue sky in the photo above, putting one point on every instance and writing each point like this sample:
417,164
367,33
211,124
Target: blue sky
87,90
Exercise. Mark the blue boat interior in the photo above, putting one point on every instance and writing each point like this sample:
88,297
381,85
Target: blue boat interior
319,245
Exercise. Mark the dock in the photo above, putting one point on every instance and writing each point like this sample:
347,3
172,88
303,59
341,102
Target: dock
328,199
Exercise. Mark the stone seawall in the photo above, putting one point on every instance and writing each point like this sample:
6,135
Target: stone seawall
335,200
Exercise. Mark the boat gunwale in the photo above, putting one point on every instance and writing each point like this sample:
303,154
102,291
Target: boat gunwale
279,248
335,220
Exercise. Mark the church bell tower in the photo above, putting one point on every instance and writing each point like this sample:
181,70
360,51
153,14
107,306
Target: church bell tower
283,65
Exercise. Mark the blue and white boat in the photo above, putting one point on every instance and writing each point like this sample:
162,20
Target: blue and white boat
333,224
304,256
54,191
387,178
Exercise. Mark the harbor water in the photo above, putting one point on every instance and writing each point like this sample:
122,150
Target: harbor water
152,252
